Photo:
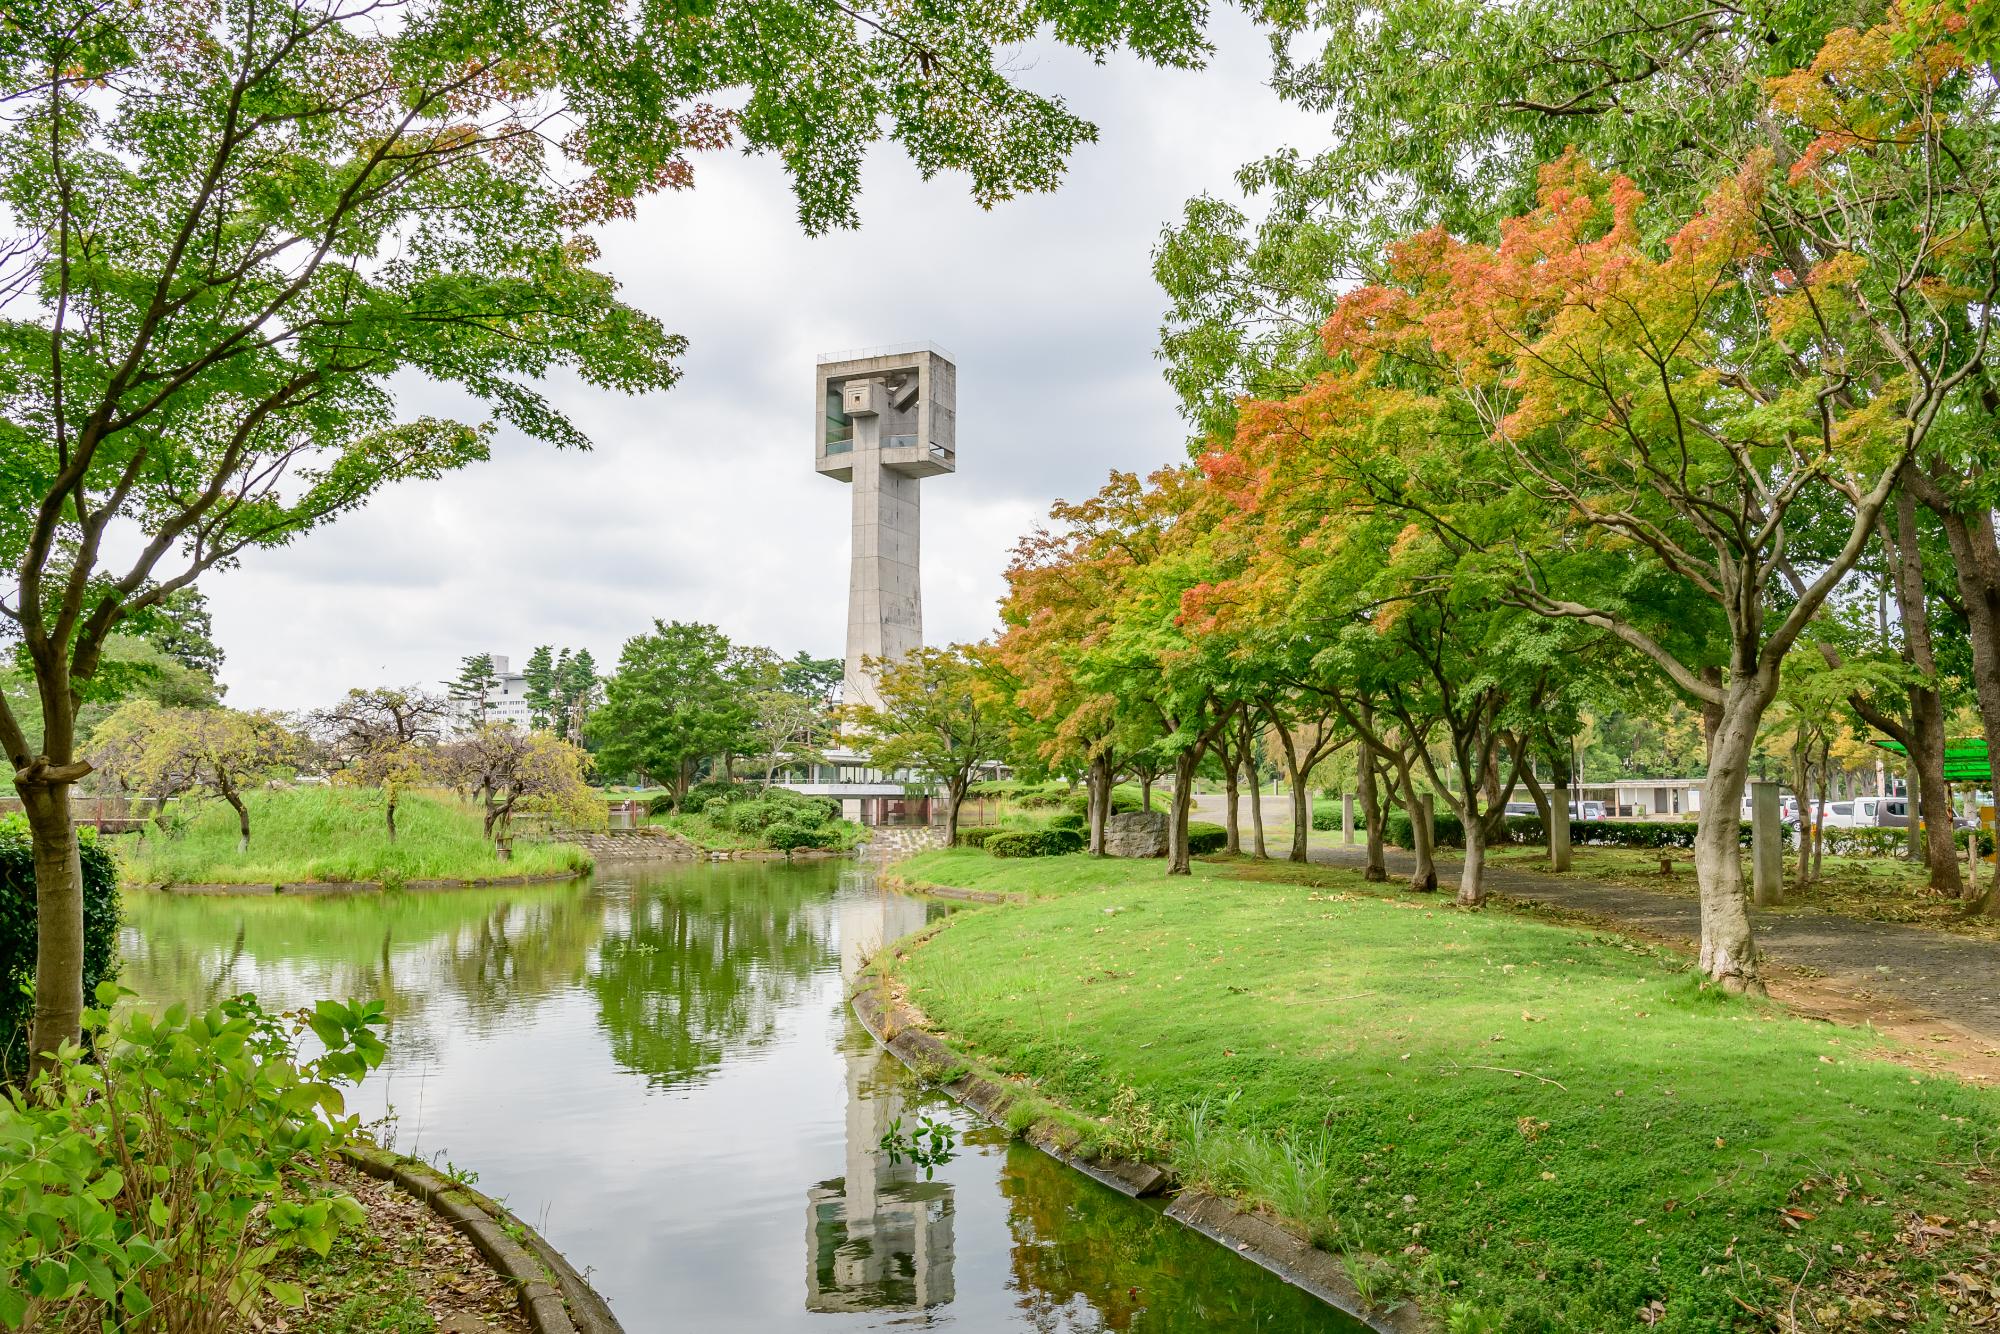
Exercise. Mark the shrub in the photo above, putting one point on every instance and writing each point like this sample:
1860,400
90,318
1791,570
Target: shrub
1034,843
1326,818
975,835
1203,837
1070,820
715,789
1061,842
663,804
774,806
789,835
1447,831
715,808
149,1188
18,934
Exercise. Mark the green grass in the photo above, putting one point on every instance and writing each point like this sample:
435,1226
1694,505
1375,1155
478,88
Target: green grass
335,834
1347,1058
1042,877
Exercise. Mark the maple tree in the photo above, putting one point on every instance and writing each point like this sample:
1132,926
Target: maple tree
941,717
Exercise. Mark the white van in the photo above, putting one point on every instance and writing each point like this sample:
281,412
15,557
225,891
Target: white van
1869,813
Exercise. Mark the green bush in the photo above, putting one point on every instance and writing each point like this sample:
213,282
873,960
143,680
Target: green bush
1034,843
715,789
663,804
773,806
715,808
1528,831
789,836
1204,838
18,934
975,835
1078,820
1326,818
149,1188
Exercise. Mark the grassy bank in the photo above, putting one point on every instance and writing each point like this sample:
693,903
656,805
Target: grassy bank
336,835
1522,1126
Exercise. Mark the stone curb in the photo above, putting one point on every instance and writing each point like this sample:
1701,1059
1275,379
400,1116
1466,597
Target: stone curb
1253,1236
334,888
948,891
554,1297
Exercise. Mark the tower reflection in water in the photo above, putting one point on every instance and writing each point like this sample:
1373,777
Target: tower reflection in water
879,1238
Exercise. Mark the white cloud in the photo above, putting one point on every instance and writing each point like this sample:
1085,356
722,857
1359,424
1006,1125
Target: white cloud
701,503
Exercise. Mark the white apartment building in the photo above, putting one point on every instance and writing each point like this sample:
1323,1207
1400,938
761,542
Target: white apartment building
505,703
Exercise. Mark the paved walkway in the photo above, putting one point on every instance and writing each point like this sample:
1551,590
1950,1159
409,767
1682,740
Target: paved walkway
1952,978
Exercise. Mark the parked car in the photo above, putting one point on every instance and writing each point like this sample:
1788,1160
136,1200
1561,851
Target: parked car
1869,813
1521,808
1586,810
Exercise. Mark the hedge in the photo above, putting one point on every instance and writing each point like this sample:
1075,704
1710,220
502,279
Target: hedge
17,934
1528,831
1035,843
1069,820
975,835
1326,818
1204,837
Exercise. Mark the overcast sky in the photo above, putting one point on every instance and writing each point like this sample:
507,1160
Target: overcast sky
702,503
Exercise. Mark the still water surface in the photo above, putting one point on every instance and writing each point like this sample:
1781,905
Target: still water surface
660,1072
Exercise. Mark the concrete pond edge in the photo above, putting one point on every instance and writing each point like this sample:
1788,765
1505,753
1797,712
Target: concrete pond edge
555,1298
900,1031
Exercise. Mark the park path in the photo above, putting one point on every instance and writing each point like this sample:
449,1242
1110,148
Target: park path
1929,976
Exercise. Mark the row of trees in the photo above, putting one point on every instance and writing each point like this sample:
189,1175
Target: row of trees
1716,425
388,740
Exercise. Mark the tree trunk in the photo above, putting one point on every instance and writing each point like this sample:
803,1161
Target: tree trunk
242,820
1377,870
1301,816
1246,735
389,812
1146,791
1472,878
1809,815
1099,785
1232,801
58,921
1559,848
954,793
1177,823
1976,562
1926,740
1728,950
1423,834
1919,847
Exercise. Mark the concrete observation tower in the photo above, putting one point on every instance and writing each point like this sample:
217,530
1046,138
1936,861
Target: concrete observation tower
886,419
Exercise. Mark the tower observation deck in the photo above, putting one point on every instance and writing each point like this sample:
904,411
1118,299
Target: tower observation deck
886,419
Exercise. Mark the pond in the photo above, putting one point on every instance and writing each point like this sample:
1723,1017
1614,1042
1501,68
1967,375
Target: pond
659,1071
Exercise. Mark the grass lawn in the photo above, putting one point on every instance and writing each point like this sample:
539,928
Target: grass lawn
334,834
1523,1126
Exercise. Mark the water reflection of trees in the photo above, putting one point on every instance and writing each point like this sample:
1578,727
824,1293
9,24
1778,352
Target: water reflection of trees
693,965
487,953
1085,1259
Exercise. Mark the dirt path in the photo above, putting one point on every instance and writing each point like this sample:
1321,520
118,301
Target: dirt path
1938,992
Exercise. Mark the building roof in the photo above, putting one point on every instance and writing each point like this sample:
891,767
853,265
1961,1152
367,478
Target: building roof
1965,760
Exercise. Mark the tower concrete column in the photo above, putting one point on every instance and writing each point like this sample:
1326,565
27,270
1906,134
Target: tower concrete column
885,603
